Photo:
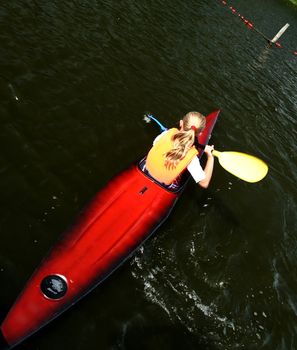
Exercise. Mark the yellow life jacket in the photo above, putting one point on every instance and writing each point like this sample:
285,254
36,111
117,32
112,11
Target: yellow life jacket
155,161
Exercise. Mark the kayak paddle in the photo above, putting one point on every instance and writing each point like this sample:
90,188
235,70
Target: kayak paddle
244,166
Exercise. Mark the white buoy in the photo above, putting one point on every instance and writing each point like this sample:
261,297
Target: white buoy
280,33
13,92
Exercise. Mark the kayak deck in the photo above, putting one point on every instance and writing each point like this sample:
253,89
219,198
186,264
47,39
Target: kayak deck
115,223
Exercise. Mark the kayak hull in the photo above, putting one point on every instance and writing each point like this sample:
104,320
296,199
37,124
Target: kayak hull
97,226
113,225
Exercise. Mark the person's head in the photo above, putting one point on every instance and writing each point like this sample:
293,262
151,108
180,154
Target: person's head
193,121
190,126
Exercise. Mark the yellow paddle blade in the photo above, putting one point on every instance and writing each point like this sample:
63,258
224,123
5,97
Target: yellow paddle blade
244,166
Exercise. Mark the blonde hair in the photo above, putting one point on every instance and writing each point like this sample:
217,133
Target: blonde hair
192,124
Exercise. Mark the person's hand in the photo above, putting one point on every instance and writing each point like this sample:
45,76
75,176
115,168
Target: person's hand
208,150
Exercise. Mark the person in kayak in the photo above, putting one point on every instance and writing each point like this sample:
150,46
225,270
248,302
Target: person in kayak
173,151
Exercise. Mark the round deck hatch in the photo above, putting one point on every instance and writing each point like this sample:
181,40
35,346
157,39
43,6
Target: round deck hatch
53,287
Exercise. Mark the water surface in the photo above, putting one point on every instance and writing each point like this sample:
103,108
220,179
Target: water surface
76,79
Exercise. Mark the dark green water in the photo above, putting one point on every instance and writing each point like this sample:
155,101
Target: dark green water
76,79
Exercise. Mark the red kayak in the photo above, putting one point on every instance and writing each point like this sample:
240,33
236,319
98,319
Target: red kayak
109,230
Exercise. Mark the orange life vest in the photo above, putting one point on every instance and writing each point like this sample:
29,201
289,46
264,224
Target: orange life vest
155,161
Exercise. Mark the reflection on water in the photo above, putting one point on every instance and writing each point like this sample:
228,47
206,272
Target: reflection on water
263,57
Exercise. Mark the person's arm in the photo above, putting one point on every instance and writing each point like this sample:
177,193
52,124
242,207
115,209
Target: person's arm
208,167
202,176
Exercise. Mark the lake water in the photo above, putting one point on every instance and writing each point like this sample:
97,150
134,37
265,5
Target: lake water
76,78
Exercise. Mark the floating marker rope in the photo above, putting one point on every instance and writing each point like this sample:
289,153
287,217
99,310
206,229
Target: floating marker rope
249,25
